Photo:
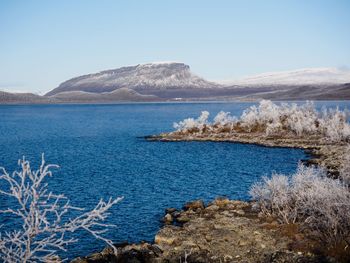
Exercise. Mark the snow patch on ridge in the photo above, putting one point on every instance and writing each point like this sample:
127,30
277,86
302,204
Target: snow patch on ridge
306,76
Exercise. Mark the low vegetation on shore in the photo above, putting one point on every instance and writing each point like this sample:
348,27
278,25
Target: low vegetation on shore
310,198
271,119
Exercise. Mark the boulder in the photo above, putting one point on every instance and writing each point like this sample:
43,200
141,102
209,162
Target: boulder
168,219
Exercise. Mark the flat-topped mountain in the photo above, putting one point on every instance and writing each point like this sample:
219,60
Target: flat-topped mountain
163,81
151,76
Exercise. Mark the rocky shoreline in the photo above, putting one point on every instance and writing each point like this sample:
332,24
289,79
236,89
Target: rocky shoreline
223,231
231,230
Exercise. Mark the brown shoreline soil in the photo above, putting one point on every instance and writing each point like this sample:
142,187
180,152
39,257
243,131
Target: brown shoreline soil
223,231
227,230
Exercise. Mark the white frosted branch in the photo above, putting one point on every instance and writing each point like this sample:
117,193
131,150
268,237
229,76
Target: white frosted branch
43,214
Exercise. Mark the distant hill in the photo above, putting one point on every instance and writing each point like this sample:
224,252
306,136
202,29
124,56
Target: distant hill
163,81
118,95
305,92
22,98
308,76
302,84
122,94
144,77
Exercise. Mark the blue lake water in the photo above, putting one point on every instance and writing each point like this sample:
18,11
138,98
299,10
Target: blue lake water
101,153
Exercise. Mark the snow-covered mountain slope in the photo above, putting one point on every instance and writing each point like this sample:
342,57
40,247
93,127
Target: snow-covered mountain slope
160,75
172,80
310,76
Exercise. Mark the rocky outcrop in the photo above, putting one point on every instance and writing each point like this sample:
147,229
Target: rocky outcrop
222,231
144,252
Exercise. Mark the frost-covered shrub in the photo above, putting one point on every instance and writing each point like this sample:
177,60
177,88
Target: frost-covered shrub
333,124
265,115
223,118
300,119
273,119
285,117
274,197
44,216
191,123
310,198
344,172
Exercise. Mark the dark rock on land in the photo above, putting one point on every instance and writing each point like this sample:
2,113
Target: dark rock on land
126,253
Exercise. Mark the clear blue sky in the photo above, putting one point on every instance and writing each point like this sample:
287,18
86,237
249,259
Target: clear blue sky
43,43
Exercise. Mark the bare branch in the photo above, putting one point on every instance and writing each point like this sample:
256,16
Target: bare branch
43,214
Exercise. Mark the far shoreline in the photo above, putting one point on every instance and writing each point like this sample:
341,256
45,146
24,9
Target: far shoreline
168,102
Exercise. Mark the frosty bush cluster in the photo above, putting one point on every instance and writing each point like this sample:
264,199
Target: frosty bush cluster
272,119
308,197
191,123
344,171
